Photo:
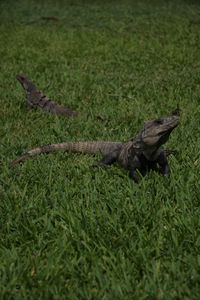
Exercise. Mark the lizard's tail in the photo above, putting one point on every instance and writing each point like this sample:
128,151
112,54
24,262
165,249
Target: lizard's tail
25,156
82,147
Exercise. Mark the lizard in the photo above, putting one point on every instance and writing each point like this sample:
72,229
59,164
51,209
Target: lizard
35,99
137,154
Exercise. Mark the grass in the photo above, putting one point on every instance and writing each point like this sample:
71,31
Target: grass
71,231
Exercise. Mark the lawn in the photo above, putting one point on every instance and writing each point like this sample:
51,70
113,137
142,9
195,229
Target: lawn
72,231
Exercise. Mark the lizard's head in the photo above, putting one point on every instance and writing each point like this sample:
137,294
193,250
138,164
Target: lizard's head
156,132
26,83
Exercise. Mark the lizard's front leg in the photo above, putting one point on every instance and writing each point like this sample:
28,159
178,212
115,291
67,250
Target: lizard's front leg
134,166
163,163
28,105
109,158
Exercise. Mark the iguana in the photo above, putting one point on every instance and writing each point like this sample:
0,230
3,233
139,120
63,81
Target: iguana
36,99
138,154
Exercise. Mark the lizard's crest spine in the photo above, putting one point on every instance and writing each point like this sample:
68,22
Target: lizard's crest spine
36,99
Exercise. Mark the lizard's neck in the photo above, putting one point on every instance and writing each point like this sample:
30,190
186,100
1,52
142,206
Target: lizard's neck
152,155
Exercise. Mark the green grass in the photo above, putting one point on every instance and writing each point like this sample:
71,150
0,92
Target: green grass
71,231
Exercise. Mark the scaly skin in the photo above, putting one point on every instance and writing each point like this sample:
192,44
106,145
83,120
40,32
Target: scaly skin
139,154
81,147
36,99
